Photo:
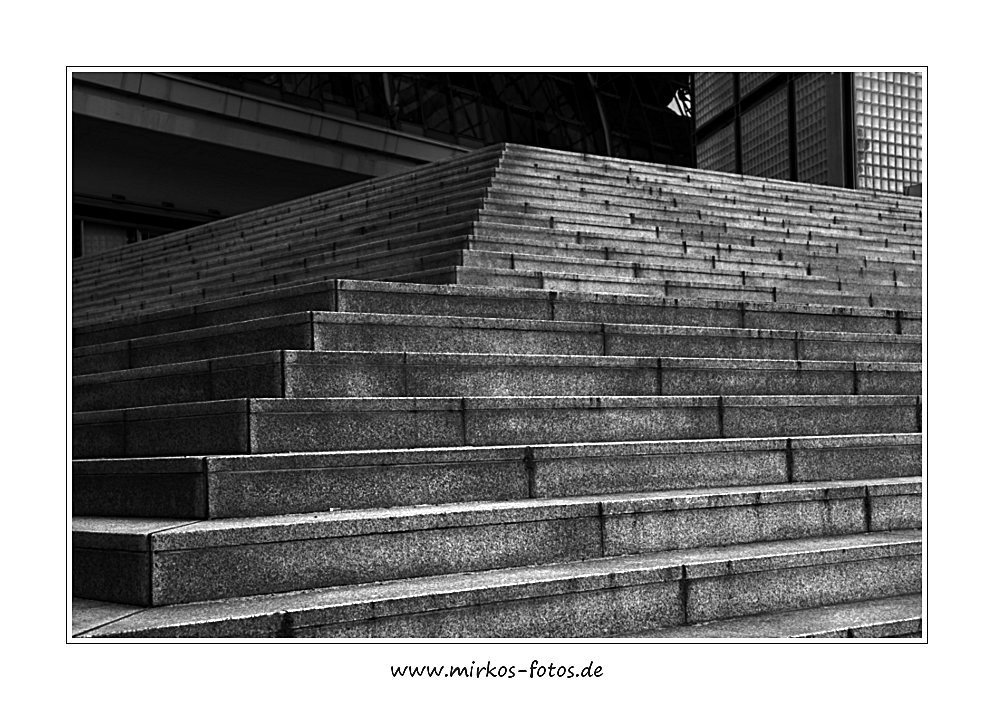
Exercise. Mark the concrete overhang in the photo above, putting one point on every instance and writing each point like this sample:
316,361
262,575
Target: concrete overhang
186,108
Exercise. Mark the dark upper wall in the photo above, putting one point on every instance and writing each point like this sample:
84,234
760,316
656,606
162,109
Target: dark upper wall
154,152
643,116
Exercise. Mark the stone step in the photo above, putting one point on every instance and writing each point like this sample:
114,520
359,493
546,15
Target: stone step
416,269
566,281
855,230
472,301
690,189
286,249
324,331
800,250
307,373
666,204
227,269
597,597
250,426
891,617
677,232
716,255
436,249
605,169
278,484
701,273
612,404
195,561
411,188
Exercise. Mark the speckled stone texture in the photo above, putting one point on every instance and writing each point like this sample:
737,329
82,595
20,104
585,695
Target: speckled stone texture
881,456
211,573
90,614
258,555
896,512
887,560
758,592
259,375
154,488
289,331
766,416
876,618
601,612
560,471
113,575
292,483
593,414
709,527
325,485
371,297
448,300
451,334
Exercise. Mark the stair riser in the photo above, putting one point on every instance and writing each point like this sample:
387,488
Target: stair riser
298,333
289,333
624,611
542,165
179,576
775,229
822,254
699,272
378,297
571,306
694,255
545,165
279,263
431,186
254,281
164,489
423,376
199,430
584,283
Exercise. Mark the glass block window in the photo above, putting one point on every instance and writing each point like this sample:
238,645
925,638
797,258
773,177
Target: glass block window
717,151
750,81
888,108
713,93
765,144
810,111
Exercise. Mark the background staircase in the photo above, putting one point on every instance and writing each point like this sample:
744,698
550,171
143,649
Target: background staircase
583,397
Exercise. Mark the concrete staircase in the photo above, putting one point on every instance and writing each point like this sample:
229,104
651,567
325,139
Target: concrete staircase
583,397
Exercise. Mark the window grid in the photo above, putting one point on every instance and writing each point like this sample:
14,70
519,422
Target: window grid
749,81
765,144
888,129
811,96
713,93
717,151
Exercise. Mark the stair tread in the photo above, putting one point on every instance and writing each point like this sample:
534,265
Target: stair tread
180,534
864,619
690,303
456,590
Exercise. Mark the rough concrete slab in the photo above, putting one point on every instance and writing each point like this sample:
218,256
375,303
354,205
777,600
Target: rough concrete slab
90,614
808,416
849,457
336,331
349,424
874,618
584,614
279,614
817,585
323,485
207,573
139,493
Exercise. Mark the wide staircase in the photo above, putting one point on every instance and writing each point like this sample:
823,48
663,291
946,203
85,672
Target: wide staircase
522,393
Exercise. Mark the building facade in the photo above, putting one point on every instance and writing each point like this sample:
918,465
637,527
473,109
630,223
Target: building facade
154,152
860,130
